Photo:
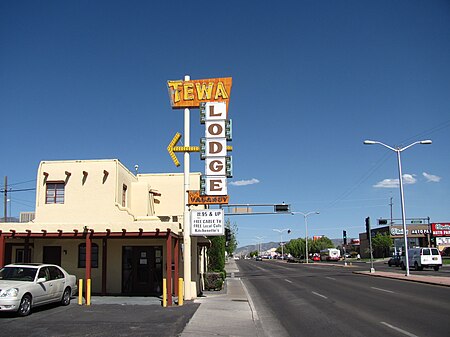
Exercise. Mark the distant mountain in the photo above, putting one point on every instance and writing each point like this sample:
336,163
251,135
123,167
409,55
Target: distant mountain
250,248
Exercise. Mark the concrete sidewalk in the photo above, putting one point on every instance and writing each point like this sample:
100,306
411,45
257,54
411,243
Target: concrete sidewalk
226,313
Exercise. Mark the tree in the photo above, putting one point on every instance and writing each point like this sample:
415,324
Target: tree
382,244
295,247
315,246
231,245
253,253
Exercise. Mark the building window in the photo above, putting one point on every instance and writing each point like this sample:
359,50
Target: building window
124,195
55,193
82,255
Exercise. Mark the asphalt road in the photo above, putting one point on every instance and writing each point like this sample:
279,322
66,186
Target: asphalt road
319,300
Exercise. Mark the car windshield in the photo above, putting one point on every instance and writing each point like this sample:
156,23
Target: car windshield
18,274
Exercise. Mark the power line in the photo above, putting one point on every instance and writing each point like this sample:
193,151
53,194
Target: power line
23,182
20,190
428,132
382,160
360,181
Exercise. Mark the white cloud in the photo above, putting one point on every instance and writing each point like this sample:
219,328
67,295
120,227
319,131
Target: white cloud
244,182
408,179
387,183
431,177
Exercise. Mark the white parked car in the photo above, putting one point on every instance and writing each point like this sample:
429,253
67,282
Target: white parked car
422,257
24,286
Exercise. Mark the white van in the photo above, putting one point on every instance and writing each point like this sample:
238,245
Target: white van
422,257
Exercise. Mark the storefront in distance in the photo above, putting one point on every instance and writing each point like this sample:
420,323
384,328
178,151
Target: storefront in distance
418,235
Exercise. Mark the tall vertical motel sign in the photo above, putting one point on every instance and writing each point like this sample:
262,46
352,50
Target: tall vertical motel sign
212,97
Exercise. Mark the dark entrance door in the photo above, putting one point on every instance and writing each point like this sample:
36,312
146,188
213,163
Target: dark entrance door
52,254
142,270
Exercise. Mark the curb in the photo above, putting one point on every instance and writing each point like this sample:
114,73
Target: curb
433,282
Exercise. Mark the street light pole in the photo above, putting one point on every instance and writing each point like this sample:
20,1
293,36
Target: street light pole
281,239
305,215
259,243
398,150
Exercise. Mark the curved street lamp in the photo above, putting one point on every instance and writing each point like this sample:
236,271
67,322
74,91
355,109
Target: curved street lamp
259,243
398,150
281,238
305,215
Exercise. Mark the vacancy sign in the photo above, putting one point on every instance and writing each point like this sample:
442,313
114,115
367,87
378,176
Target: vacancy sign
207,222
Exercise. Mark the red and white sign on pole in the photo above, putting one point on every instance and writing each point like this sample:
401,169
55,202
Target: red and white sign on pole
215,148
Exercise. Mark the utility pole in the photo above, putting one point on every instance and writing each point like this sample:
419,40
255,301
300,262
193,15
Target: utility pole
391,204
5,200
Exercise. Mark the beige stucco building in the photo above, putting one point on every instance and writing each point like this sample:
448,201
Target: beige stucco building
131,224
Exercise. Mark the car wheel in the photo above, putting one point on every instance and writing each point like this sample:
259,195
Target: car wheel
25,306
402,265
436,268
66,297
389,264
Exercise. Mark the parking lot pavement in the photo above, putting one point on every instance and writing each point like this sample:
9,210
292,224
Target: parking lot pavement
99,320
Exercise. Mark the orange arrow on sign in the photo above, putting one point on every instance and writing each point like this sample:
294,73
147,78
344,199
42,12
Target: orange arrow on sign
171,148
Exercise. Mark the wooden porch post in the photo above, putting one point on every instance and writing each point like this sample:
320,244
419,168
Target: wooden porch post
169,268
27,255
2,250
176,255
104,265
88,267
88,258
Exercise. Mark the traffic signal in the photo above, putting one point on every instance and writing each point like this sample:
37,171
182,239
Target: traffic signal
289,231
382,221
281,208
368,227
227,235
344,235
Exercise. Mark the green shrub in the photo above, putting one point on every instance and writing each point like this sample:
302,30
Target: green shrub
213,281
216,254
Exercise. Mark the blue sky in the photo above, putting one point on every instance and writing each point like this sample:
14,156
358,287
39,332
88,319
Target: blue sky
311,81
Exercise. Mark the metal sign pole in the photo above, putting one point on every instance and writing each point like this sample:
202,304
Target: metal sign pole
186,217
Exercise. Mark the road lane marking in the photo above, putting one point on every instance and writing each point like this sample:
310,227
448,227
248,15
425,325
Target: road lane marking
331,278
399,330
317,294
288,281
387,291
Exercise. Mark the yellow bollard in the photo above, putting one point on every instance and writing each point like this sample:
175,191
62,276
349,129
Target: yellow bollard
164,292
80,291
88,291
180,291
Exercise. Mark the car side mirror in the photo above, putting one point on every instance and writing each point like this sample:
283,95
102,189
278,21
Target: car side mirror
41,280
